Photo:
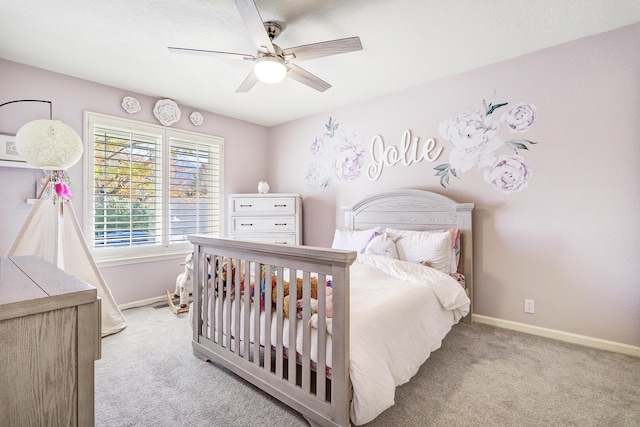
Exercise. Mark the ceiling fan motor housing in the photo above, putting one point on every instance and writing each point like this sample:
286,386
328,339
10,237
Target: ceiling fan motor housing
273,29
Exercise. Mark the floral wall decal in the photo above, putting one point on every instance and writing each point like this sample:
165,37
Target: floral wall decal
476,141
167,112
130,104
337,154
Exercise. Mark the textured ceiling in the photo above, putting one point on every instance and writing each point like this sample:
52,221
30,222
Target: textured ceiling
123,43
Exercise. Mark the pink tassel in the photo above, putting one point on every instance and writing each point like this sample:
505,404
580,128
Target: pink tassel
63,191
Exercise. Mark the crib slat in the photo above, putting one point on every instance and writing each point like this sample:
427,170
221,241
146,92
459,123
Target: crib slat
267,318
279,321
198,296
306,333
218,301
257,294
236,305
247,312
226,295
292,325
321,365
210,283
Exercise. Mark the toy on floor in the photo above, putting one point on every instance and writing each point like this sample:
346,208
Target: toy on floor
184,287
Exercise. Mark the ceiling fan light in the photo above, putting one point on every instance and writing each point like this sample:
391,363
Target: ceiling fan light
270,69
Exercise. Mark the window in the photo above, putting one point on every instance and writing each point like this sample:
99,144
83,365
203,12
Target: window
148,188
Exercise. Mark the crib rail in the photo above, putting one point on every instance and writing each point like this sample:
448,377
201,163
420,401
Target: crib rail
232,313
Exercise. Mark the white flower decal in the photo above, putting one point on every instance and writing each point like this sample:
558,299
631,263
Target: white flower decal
339,151
167,112
475,140
196,118
509,174
130,104
317,176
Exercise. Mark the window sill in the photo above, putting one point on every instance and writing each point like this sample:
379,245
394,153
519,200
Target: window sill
129,259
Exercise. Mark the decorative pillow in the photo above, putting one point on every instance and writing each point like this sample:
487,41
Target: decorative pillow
418,246
382,245
455,249
353,240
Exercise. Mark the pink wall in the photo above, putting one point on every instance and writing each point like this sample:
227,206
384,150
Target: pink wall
570,240
72,96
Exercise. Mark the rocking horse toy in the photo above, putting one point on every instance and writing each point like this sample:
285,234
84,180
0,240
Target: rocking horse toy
184,287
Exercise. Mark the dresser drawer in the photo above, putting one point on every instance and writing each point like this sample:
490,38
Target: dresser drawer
283,239
260,205
273,224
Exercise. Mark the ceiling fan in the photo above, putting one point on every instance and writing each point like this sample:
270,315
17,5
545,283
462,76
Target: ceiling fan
272,62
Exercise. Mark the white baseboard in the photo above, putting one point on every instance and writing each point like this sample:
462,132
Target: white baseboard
560,335
142,303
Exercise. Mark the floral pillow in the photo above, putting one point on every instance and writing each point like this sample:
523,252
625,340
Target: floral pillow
354,240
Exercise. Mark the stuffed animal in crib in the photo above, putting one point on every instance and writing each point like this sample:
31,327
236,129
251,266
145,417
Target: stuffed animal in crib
184,282
328,310
274,289
224,275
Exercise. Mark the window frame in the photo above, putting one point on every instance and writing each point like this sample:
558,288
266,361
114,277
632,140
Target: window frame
131,255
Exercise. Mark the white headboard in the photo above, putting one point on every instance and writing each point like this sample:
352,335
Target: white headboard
417,210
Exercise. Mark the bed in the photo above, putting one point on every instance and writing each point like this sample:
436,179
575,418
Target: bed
361,321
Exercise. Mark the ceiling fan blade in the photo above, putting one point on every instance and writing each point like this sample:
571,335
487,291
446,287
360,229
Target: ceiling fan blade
255,25
248,83
305,77
211,53
318,50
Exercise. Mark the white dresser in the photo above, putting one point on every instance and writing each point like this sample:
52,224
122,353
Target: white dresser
273,218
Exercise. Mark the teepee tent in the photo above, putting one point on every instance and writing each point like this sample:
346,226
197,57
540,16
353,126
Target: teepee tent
52,232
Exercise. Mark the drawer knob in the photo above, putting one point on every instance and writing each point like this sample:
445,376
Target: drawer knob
283,223
280,206
246,206
247,225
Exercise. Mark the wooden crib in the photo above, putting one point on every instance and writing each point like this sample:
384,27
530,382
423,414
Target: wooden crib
271,366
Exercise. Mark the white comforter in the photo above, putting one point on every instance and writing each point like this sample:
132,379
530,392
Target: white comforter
412,311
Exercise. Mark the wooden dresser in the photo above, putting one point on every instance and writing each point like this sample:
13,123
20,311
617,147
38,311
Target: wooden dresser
49,340
272,218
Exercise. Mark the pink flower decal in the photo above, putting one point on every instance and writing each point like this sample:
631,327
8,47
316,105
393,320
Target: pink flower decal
520,118
509,174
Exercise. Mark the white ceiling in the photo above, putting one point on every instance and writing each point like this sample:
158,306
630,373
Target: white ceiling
123,43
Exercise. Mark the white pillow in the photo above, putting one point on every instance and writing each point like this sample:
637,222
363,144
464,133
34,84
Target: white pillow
418,246
382,245
353,240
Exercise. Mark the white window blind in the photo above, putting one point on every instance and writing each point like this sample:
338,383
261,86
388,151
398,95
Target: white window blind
194,189
149,188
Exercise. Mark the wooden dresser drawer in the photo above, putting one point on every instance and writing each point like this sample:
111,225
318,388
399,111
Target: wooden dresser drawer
273,224
264,206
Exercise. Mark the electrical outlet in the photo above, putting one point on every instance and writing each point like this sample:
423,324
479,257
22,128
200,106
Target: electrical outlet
529,306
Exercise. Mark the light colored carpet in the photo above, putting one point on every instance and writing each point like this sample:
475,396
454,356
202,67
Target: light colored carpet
482,376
